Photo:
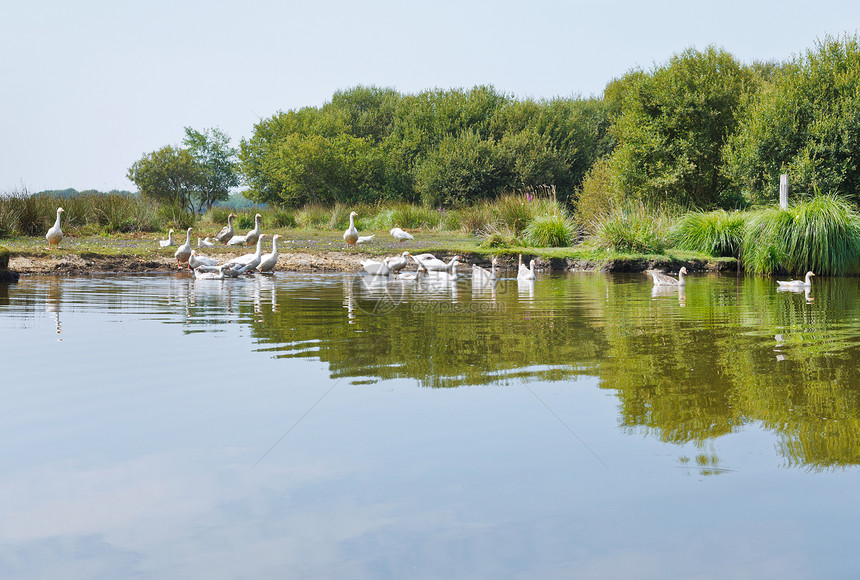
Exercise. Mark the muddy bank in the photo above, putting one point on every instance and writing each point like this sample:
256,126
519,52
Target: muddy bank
332,261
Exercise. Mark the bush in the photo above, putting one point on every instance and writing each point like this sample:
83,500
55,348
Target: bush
717,233
821,235
4,258
550,231
494,237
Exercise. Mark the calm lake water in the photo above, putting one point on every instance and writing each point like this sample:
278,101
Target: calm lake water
332,426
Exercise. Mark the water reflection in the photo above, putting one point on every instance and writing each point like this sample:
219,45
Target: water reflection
686,364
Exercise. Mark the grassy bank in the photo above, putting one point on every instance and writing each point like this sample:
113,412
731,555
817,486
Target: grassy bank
820,234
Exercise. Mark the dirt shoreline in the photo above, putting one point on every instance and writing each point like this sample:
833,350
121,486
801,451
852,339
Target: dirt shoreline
324,261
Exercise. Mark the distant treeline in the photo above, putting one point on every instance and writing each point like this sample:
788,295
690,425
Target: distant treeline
700,131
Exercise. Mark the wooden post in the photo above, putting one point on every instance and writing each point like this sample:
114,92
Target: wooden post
783,191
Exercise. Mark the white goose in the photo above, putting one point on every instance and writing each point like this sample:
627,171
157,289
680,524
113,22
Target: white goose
481,275
183,252
248,262
269,261
212,272
55,234
252,236
797,284
400,235
397,263
350,236
365,239
169,241
227,231
661,279
526,273
207,243
376,268
196,261
433,264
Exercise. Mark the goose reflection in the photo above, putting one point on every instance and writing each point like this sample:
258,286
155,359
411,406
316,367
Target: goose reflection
349,299
52,306
680,291
526,289
805,290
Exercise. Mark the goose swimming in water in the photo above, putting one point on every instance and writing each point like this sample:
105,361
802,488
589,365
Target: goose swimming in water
661,279
797,284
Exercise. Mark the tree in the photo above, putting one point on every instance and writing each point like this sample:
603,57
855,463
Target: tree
673,126
807,124
217,160
169,175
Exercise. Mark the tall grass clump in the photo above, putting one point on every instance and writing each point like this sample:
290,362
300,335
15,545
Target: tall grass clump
630,229
550,230
821,234
313,216
512,211
717,233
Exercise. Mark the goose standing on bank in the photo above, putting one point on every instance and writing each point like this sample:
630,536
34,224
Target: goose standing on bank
350,236
169,241
227,231
797,284
183,252
269,261
661,279
55,234
483,276
253,235
526,273
400,235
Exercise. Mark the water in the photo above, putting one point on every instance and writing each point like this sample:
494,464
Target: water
331,426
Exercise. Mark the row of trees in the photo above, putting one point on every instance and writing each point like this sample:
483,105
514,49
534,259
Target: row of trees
702,130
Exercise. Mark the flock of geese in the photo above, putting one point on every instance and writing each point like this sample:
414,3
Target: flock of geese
208,268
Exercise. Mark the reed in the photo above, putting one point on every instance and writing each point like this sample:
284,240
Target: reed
821,234
717,233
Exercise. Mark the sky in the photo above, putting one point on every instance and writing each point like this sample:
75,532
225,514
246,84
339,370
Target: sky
91,86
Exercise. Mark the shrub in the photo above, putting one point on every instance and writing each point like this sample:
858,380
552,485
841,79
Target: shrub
821,234
550,231
4,258
718,233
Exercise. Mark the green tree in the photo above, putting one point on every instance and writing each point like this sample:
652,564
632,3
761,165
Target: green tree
673,126
170,175
217,160
806,124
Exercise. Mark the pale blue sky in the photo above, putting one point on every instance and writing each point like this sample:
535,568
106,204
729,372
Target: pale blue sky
90,86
